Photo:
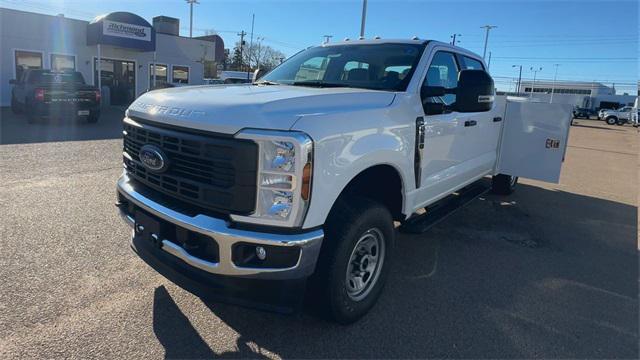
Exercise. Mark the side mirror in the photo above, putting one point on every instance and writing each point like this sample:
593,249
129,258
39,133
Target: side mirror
432,91
475,92
13,81
257,74
434,108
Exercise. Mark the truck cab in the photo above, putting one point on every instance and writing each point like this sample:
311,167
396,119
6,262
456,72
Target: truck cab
300,176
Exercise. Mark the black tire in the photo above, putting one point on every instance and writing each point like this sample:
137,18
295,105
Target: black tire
31,117
15,106
93,117
611,120
352,220
503,184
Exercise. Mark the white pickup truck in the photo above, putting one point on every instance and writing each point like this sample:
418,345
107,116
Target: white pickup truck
618,116
234,190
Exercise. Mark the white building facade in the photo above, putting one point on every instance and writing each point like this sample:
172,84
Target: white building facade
129,46
591,95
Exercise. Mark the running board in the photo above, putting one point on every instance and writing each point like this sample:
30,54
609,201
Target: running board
440,210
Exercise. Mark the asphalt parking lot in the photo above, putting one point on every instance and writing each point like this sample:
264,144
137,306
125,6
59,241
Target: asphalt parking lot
550,272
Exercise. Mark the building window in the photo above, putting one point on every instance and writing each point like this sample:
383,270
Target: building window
27,60
180,74
161,75
63,62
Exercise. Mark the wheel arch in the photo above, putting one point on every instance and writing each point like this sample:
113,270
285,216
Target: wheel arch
382,183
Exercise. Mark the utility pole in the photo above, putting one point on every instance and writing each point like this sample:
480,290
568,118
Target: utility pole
191,2
327,38
242,35
519,77
253,19
535,72
553,87
364,17
489,62
486,38
453,39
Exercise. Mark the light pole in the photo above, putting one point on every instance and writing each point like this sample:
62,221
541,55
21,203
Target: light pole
535,72
486,38
553,87
519,77
191,2
364,17
453,39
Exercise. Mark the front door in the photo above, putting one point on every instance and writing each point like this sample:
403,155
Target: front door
448,135
120,77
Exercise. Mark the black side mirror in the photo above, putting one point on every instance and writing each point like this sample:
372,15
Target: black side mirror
13,81
433,108
432,91
475,92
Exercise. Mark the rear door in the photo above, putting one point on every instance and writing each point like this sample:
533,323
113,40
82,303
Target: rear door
534,140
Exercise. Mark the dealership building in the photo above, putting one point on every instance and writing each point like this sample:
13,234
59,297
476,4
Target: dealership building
123,47
588,94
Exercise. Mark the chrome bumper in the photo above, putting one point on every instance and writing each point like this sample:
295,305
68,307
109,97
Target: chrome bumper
217,229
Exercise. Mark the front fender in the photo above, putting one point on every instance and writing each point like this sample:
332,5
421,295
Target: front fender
347,144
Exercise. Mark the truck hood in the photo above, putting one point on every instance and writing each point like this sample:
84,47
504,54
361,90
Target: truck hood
230,108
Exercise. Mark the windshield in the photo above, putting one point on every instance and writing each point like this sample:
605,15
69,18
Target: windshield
379,67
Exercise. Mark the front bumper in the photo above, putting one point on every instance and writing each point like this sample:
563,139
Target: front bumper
219,231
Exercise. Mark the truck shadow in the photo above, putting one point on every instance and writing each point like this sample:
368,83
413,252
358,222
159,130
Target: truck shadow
14,129
543,273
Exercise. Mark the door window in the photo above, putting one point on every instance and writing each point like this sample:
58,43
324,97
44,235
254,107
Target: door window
27,60
443,71
471,64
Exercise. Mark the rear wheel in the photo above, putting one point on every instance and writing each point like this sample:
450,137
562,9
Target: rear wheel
611,120
354,260
93,117
502,184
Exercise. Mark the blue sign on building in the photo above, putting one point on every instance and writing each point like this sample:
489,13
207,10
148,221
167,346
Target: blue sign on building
122,29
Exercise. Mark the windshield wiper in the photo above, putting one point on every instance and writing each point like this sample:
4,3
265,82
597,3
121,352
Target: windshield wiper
266,82
318,83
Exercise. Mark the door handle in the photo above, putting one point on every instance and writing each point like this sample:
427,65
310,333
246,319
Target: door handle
470,123
497,119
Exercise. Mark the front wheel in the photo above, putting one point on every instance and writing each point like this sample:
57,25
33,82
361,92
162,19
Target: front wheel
611,120
502,184
354,260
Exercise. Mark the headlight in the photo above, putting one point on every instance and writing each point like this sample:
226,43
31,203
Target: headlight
284,177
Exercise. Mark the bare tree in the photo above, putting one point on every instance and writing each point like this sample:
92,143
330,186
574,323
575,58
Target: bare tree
261,56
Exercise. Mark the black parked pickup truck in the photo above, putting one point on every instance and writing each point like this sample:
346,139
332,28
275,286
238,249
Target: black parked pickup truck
45,93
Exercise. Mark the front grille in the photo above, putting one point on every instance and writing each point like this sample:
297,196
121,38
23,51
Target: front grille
209,170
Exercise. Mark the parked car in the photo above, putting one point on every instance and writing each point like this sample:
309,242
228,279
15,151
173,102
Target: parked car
619,116
601,114
45,93
257,190
213,81
584,113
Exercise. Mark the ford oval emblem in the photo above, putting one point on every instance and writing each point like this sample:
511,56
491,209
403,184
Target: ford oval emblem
153,158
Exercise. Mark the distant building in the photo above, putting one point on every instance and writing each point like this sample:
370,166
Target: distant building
592,95
128,45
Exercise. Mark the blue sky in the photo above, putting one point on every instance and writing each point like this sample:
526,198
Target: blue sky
591,40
